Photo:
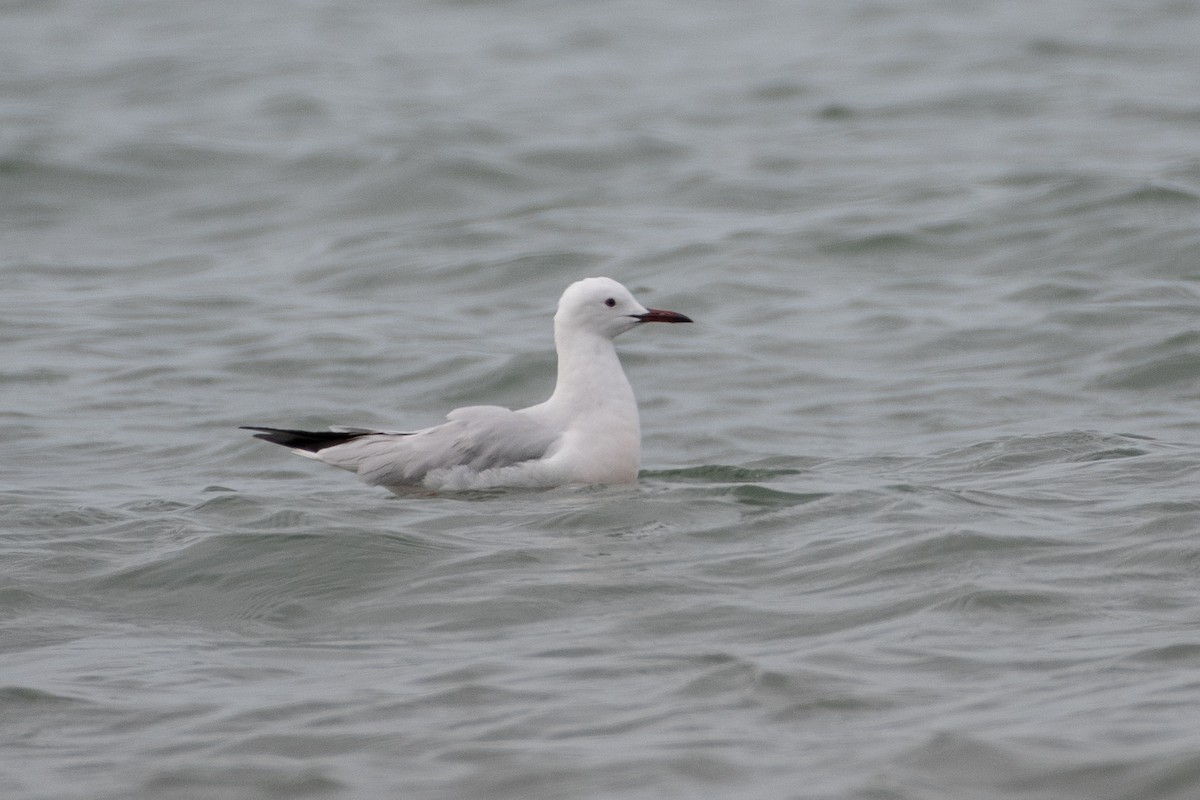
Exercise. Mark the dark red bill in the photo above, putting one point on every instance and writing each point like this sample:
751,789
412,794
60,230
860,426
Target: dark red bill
658,315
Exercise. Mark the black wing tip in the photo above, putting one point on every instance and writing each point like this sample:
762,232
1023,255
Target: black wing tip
310,441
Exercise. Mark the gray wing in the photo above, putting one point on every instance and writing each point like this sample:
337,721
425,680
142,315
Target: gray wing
477,437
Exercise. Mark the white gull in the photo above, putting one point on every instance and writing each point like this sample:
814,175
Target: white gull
586,433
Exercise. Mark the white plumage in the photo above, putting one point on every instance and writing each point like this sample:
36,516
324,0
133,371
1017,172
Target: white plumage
587,432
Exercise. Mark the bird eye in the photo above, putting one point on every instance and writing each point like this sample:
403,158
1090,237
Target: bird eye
610,302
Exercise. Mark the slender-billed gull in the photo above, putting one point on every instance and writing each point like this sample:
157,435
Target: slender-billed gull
586,433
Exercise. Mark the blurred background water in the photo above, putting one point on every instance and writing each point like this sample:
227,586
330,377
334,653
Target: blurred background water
918,514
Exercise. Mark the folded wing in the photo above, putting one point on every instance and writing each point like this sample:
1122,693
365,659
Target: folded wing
477,438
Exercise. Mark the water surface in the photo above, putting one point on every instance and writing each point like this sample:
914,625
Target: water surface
917,516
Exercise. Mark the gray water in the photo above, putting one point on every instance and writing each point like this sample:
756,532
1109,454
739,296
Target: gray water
918,516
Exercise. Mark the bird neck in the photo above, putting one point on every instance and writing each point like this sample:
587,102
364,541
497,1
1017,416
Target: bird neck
590,378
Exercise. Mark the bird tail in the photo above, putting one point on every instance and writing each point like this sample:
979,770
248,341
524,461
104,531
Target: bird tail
305,441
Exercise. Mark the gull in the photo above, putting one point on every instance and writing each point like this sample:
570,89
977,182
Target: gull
587,433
